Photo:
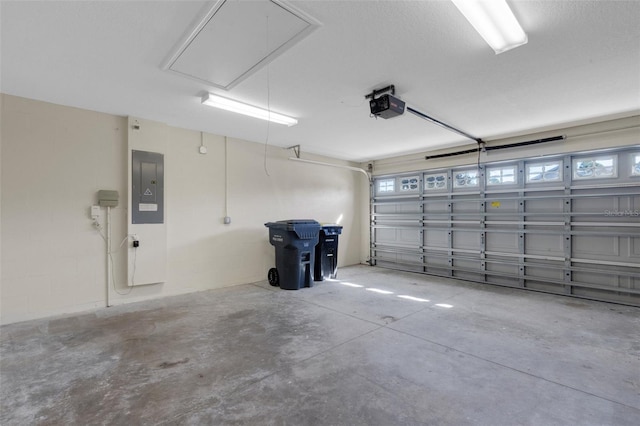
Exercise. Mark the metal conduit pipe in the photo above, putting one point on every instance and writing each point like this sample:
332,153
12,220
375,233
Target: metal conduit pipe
340,166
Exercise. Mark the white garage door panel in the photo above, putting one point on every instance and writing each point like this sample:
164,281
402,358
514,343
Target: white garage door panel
617,297
385,236
503,269
410,258
502,242
597,205
591,247
436,207
435,238
544,244
386,256
545,286
387,209
466,206
502,281
469,240
551,272
566,230
398,238
410,237
437,261
634,248
467,265
544,205
501,206
598,279
410,208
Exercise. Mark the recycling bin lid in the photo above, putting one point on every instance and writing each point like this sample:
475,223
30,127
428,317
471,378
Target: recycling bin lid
304,228
331,229
291,224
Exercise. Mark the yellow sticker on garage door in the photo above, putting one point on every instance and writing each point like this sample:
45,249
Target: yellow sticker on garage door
495,204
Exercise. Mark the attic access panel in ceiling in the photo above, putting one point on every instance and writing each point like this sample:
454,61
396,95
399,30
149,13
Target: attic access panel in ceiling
236,38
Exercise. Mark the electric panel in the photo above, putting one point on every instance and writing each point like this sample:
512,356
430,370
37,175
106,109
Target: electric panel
147,187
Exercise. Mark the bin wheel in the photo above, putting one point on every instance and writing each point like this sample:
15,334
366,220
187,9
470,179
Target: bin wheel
274,278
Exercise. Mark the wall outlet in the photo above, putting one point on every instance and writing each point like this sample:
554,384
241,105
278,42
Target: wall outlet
95,212
227,220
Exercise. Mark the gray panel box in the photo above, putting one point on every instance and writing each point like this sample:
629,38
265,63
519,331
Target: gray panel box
147,187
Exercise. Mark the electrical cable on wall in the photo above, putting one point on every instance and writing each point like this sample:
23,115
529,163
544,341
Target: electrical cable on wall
227,219
99,229
202,149
133,274
266,142
113,280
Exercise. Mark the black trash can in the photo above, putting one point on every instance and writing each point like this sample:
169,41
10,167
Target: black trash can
295,242
326,262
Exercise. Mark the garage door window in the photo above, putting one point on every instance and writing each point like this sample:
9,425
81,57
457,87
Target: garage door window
600,167
501,175
386,185
635,169
409,184
465,179
436,181
544,172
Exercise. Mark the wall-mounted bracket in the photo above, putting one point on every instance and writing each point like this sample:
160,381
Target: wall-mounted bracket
377,92
296,150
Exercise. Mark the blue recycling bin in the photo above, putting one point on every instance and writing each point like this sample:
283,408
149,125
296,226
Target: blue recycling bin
294,241
326,262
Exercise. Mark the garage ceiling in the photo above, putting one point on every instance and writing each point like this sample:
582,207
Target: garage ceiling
582,62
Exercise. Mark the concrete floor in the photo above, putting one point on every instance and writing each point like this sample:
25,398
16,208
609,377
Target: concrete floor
434,352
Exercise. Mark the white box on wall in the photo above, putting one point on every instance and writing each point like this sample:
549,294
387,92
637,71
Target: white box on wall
147,259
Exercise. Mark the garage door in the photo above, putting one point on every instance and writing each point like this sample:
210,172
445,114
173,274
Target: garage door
567,224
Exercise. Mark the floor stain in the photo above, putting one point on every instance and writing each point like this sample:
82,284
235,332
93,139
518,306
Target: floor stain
167,364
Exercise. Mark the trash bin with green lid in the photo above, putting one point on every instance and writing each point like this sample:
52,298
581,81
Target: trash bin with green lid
294,241
326,262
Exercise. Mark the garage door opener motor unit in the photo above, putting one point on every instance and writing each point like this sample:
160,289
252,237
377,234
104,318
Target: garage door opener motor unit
386,106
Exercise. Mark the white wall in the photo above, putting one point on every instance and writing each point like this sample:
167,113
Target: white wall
53,161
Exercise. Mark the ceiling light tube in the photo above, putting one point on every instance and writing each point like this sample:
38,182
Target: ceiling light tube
495,22
246,109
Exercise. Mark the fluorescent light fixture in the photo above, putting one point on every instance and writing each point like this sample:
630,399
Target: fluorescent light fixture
495,22
246,109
